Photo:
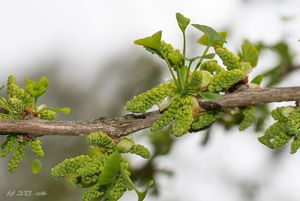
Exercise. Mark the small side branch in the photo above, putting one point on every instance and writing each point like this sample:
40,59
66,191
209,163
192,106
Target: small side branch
125,125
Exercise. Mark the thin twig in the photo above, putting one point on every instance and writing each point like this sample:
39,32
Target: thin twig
128,124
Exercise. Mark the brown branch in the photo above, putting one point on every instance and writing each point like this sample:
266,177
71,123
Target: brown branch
130,123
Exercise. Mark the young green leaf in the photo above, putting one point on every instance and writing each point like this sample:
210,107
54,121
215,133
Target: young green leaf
130,185
43,82
36,89
64,110
206,77
203,40
110,169
1,87
152,42
250,53
182,21
258,79
3,144
35,165
5,105
212,36
210,96
142,194
11,80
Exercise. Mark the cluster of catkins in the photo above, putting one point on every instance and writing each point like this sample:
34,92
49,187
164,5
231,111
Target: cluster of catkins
181,110
284,129
22,104
104,172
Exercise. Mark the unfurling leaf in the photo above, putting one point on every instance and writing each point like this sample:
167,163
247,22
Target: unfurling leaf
182,21
213,37
64,110
250,53
152,42
203,40
110,169
36,89
36,166
258,79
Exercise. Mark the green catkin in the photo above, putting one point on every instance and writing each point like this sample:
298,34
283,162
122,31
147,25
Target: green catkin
100,139
15,91
277,114
47,114
281,139
228,58
90,179
16,158
88,174
183,117
276,135
93,193
293,122
69,166
248,118
167,116
295,144
16,104
36,147
212,67
92,166
165,48
124,145
11,80
282,113
173,55
83,181
225,79
6,116
118,189
144,101
141,151
8,144
195,81
204,119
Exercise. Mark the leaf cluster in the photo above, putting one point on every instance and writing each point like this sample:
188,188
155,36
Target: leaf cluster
104,173
201,77
21,103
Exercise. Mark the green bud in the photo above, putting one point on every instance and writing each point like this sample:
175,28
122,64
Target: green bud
16,158
144,101
141,151
125,145
100,139
47,114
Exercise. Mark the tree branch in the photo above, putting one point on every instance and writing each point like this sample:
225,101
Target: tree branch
130,123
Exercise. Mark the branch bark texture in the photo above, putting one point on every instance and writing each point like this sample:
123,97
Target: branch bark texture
125,125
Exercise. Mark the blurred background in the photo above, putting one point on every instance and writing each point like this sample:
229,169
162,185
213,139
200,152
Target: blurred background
85,48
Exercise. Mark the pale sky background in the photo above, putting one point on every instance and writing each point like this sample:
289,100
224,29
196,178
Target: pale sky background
84,35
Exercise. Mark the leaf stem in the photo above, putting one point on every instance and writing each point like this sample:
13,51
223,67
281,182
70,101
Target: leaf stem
170,68
178,72
201,58
184,47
